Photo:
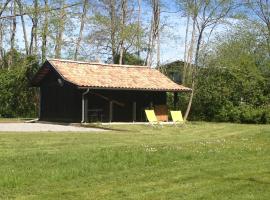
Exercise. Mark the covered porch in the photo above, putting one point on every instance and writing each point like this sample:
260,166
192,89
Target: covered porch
123,105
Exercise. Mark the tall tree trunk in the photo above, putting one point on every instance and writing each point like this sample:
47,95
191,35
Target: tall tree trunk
33,40
85,3
14,25
122,33
158,49
149,44
45,32
185,53
13,32
194,70
2,50
113,29
61,29
155,25
268,38
4,7
23,26
158,36
139,29
190,52
1,42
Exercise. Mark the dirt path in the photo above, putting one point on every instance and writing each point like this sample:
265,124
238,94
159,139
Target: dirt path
40,127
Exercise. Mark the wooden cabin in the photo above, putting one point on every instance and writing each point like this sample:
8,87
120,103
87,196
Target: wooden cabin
73,91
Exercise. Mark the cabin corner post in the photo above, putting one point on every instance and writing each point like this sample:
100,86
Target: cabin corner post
40,104
134,111
110,111
85,106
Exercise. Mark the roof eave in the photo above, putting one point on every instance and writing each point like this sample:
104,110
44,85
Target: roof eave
136,89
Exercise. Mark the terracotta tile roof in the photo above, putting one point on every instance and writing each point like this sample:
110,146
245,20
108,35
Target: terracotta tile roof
110,76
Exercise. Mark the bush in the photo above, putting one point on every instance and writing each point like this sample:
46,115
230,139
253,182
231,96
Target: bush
17,99
251,115
266,115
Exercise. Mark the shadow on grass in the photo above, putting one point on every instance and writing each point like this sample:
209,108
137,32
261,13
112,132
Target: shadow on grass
107,128
219,175
133,128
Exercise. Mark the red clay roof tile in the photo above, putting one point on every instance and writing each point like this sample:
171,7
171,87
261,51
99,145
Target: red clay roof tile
111,76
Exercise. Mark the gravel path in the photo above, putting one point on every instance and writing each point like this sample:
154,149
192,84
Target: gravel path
40,127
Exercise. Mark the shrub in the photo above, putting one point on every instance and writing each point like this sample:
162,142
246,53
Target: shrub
266,115
250,114
17,99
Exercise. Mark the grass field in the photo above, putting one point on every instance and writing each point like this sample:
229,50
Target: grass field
199,161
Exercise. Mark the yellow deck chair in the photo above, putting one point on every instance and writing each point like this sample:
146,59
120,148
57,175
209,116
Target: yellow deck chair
177,117
151,117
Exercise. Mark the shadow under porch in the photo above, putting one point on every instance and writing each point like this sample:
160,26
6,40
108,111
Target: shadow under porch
119,105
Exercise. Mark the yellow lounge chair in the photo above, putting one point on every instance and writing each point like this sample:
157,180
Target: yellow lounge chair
151,117
177,117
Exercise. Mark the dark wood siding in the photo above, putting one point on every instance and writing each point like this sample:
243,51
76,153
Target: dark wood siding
59,103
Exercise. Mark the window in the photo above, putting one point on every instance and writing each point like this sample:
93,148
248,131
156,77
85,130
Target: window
175,76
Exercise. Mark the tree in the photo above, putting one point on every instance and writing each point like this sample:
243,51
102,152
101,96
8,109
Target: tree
154,32
45,30
34,32
123,19
233,85
114,29
205,14
23,25
83,16
261,8
12,33
138,28
60,28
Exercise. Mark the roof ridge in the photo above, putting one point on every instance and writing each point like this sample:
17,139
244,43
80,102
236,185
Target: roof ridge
96,63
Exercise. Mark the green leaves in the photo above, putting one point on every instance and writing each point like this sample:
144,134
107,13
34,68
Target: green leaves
17,99
234,84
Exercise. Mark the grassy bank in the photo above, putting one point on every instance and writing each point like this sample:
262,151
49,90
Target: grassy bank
199,161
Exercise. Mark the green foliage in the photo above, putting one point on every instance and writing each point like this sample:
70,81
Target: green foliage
129,59
233,85
17,99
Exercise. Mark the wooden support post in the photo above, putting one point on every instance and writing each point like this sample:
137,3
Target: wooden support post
175,100
151,105
86,109
134,111
111,112
40,104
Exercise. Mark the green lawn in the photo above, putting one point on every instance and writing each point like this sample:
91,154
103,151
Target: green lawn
199,161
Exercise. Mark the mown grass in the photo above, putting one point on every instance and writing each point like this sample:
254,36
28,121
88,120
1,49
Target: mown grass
198,161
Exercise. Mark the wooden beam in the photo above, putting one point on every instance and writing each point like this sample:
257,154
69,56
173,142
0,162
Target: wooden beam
108,99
